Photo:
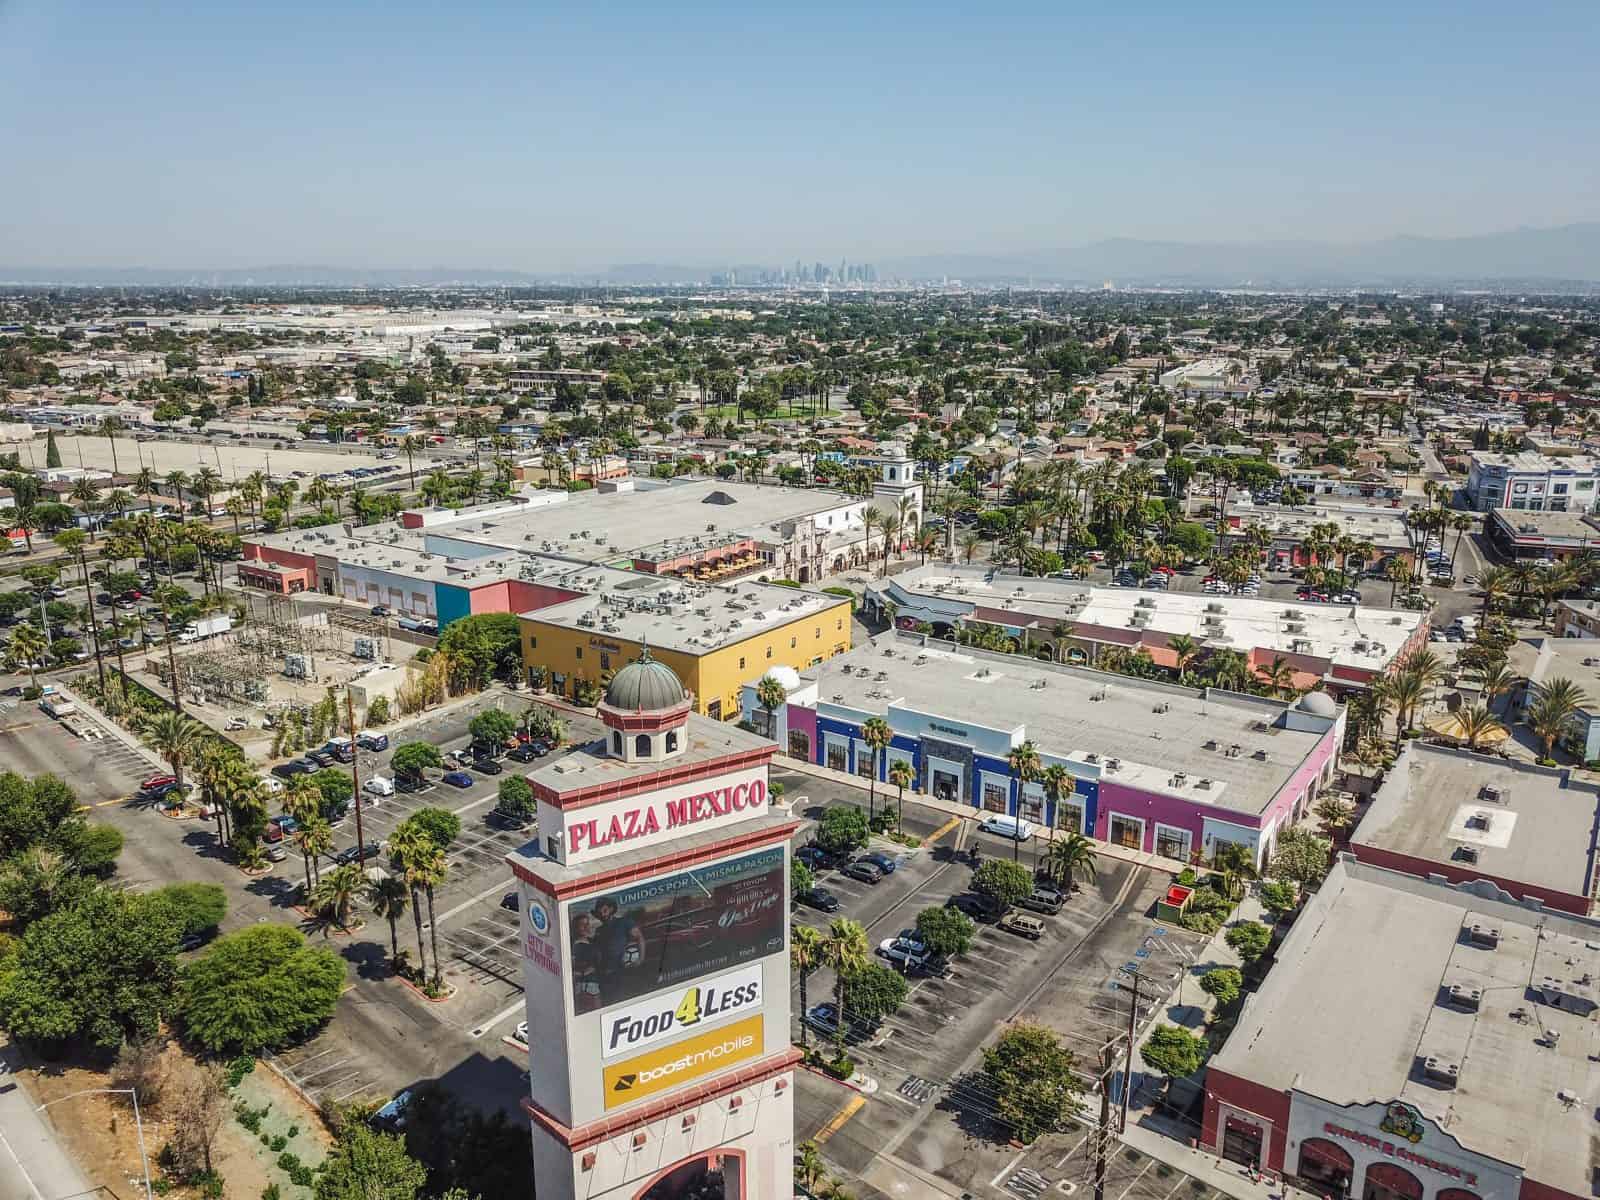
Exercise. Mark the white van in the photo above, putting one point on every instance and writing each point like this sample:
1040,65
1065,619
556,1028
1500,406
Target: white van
1011,827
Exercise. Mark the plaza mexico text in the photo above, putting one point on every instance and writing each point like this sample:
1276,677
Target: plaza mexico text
673,814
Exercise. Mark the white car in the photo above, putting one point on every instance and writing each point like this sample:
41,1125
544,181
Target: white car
521,1033
378,786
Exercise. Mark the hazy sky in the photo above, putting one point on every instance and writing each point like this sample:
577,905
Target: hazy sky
565,136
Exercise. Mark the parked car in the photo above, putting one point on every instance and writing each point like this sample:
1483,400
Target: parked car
820,899
487,766
884,862
818,859
898,950
1008,827
976,906
320,758
458,779
380,610
369,739
521,1032
523,753
1023,925
378,785
824,1018
155,781
353,854
862,871
1045,898
295,766
391,1118
510,902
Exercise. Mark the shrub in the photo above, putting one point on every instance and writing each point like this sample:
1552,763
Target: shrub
278,1143
840,1068
1278,897
239,1068
1187,878
1225,983
1249,940
271,1192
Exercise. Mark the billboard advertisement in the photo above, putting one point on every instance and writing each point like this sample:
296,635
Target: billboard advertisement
645,1022
665,931
683,1063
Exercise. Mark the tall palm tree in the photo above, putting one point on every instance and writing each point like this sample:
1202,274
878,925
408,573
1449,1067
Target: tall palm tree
1550,717
1025,768
901,776
1278,676
1072,859
29,645
875,732
1405,690
1495,681
410,847
177,481
409,445
388,895
431,871
772,696
175,738
72,541
845,950
109,428
805,956
873,518
1184,649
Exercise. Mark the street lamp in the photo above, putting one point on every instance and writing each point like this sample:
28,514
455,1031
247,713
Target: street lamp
138,1124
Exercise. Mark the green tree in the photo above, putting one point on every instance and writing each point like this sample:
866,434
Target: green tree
174,737
367,1165
336,893
196,909
493,727
32,811
801,880
411,758
842,828
1174,1052
1006,882
844,948
483,646
1225,983
101,970
1031,1076
52,452
516,801
901,775
1070,860
336,789
258,988
388,896
871,993
1279,897
875,732
945,930
1301,857
806,954
772,696
439,825
1249,940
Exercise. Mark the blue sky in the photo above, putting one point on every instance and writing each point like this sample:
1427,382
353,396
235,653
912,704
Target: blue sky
560,137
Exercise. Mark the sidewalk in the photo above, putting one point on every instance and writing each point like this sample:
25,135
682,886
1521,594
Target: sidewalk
966,812
33,1162
1167,1141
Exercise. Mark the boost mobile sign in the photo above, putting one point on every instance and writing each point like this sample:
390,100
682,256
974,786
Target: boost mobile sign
635,1026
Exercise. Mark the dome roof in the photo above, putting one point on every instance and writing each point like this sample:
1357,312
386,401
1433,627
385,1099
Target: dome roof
788,678
645,685
1318,704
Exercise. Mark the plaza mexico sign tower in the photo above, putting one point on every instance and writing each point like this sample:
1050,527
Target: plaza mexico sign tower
655,928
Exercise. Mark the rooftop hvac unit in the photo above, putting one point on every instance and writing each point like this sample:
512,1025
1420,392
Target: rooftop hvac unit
1446,1071
1481,933
1211,744
1465,995
1203,784
1466,854
1494,794
1295,627
1091,757
1293,614
1214,607
1235,750
1179,779
1113,764
1147,601
1480,820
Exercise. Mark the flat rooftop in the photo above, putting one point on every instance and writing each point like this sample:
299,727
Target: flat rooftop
404,556
1532,462
1166,738
650,517
1576,526
1384,527
692,618
1353,1004
1345,634
1540,824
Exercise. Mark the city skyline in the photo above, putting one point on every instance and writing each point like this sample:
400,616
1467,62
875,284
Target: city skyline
570,141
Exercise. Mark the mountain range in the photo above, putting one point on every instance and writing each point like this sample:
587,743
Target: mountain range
1564,257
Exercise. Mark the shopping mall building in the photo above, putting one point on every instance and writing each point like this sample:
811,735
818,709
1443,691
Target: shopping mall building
655,926
1417,1040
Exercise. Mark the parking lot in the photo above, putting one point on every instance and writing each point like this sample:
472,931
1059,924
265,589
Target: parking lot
932,1109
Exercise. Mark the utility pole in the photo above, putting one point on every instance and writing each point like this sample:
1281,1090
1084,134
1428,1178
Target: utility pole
1108,1064
355,778
1127,1070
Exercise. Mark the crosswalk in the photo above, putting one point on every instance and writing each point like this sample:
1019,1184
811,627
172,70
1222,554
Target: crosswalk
1027,1183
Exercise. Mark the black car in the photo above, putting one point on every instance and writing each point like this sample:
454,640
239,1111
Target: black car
821,899
510,902
295,766
817,858
524,753
884,862
321,758
352,854
862,871
487,766
380,610
977,906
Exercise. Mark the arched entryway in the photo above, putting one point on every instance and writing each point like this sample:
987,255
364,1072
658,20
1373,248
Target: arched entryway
1385,1181
1326,1166
716,1176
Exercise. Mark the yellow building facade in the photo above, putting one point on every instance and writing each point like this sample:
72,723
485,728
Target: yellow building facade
573,655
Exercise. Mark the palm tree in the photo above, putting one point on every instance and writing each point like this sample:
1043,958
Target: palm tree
875,732
845,950
389,895
1551,716
109,428
1278,676
410,846
810,1172
1184,648
1025,767
72,541
1072,859
1477,723
901,776
175,738
1406,691
873,518
177,481
771,694
336,893
1495,681
431,870
805,956
29,646
971,543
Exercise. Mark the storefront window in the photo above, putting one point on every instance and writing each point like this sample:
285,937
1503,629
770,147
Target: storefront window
1326,1167
864,757
1173,843
799,745
1069,815
946,785
838,758
996,797
1031,807
1127,832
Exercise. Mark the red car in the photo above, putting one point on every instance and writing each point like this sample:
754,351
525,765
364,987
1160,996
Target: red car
156,781
1166,570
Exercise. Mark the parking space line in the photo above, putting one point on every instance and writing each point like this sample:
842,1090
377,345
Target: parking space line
838,1120
519,1006
1136,1178
466,904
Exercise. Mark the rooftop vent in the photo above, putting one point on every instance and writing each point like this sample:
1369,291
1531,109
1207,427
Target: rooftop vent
1260,756
1493,794
1480,820
1179,779
1466,854
1235,750
1203,784
1442,1070
1091,757
1465,995
1113,764
1481,933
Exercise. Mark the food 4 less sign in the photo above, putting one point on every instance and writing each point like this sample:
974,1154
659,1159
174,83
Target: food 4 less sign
646,1022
